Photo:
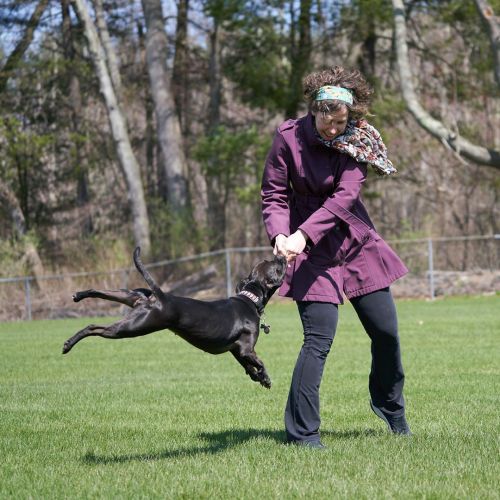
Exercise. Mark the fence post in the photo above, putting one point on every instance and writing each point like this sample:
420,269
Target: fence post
431,267
27,295
229,287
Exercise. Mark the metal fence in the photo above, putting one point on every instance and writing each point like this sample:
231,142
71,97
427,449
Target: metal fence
438,266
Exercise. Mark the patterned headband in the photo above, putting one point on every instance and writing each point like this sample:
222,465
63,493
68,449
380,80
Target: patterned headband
330,92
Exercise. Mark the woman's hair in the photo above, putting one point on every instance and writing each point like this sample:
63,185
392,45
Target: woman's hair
349,79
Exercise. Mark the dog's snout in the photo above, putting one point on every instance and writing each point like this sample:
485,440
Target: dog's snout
281,262
281,259
270,272
278,270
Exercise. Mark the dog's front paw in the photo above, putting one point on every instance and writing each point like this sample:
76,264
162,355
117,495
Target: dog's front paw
76,297
266,383
259,375
264,380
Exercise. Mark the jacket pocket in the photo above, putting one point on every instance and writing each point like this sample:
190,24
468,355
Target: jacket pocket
358,270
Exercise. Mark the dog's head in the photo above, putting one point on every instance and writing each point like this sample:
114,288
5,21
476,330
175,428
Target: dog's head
265,278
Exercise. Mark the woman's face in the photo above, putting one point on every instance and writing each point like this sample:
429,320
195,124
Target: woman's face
333,124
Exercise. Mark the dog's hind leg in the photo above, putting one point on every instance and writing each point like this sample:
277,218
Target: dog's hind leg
86,332
123,296
136,325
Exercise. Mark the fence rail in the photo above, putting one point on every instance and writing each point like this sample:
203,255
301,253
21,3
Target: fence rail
428,259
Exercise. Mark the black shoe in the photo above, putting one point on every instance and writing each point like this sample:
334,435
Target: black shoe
310,444
396,425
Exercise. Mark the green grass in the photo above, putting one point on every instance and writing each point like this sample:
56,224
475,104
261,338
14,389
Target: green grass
154,417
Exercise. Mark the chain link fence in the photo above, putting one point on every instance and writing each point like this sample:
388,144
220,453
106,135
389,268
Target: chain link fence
439,266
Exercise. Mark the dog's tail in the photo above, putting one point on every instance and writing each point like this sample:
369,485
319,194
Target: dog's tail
145,274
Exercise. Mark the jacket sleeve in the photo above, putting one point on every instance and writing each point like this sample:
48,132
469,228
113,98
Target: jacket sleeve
345,195
276,189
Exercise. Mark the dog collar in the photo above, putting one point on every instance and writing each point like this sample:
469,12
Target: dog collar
250,295
260,309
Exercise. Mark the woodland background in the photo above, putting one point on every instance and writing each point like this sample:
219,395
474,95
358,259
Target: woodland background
125,122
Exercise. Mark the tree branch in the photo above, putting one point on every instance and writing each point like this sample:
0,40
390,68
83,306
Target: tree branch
473,152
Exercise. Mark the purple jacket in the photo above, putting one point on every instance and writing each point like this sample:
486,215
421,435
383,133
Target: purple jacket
311,187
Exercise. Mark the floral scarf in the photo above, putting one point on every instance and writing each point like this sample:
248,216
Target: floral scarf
362,142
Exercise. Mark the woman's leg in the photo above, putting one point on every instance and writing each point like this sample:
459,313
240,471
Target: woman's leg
377,313
302,419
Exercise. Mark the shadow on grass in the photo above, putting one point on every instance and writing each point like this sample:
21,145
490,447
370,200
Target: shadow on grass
218,442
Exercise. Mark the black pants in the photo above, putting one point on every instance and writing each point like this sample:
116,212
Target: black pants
377,313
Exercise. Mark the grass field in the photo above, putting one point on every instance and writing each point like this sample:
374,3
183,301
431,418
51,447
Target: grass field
155,418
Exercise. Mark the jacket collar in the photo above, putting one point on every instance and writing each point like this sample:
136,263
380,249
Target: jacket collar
309,130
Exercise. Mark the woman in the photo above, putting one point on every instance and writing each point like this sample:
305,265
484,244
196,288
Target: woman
313,215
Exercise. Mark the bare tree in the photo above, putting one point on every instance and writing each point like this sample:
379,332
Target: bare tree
16,55
124,150
167,120
461,146
488,16
112,61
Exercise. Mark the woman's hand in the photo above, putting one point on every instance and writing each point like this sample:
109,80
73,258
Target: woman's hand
295,244
279,245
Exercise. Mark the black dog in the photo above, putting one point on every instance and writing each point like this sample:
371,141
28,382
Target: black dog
215,327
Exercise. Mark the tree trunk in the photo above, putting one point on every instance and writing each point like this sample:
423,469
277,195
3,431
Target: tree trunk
461,146
301,55
180,69
112,61
153,187
491,21
74,97
216,214
167,121
22,45
215,79
369,53
126,156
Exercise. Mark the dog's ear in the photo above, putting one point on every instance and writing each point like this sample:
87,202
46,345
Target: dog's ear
241,284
